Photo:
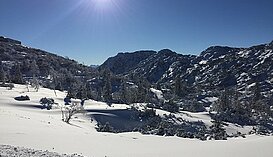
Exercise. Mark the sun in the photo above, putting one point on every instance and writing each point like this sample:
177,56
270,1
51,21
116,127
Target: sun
103,3
101,8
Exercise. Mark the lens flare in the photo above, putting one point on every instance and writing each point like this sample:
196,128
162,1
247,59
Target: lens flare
103,3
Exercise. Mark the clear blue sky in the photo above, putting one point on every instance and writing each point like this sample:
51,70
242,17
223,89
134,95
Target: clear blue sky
90,31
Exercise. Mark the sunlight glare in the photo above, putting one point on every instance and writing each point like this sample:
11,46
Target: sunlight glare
103,3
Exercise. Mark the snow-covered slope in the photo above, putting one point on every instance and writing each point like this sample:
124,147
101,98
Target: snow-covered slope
24,124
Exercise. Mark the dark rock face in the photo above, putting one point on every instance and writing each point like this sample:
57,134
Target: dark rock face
217,67
217,51
124,62
8,40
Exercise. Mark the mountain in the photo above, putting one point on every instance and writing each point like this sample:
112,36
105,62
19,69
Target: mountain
215,69
124,62
229,85
220,66
220,79
48,67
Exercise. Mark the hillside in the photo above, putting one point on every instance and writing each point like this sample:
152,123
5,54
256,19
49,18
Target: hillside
217,65
52,70
215,69
25,125
233,84
229,86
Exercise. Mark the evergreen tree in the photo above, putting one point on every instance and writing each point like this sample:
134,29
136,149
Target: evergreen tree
123,93
82,92
142,90
107,89
180,87
17,74
230,108
258,103
257,92
217,131
2,73
223,103
34,69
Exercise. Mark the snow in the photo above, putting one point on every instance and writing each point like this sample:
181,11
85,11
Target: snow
158,93
195,117
209,99
171,69
28,128
92,104
203,62
244,53
223,56
251,85
232,129
7,150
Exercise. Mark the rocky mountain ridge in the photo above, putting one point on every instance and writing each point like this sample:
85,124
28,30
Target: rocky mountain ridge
218,66
31,62
233,85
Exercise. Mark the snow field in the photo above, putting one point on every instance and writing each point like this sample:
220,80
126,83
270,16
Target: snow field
24,125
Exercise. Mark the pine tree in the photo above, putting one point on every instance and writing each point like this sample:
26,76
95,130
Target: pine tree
142,90
34,69
107,89
222,105
217,131
257,92
2,73
180,88
123,93
17,74
257,100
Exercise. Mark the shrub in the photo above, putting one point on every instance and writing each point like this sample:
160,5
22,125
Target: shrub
9,86
170,106
69,110
104,127
217,131
22,98
47,103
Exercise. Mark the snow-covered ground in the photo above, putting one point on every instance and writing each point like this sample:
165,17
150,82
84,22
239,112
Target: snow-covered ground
24,124
12,151
158,93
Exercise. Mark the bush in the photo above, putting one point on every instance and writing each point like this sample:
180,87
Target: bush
9,86
69,110
22,98
217,131
104,127
47,103
194,107
170,106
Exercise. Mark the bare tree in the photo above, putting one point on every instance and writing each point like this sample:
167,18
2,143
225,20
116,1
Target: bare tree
69,110
35,84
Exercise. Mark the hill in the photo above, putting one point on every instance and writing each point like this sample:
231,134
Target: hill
24,125
231,85
20,64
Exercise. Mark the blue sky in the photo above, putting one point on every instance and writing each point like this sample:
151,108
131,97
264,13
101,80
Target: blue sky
90,31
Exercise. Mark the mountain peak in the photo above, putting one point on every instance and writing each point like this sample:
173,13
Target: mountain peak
166,52
123,62
217,51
